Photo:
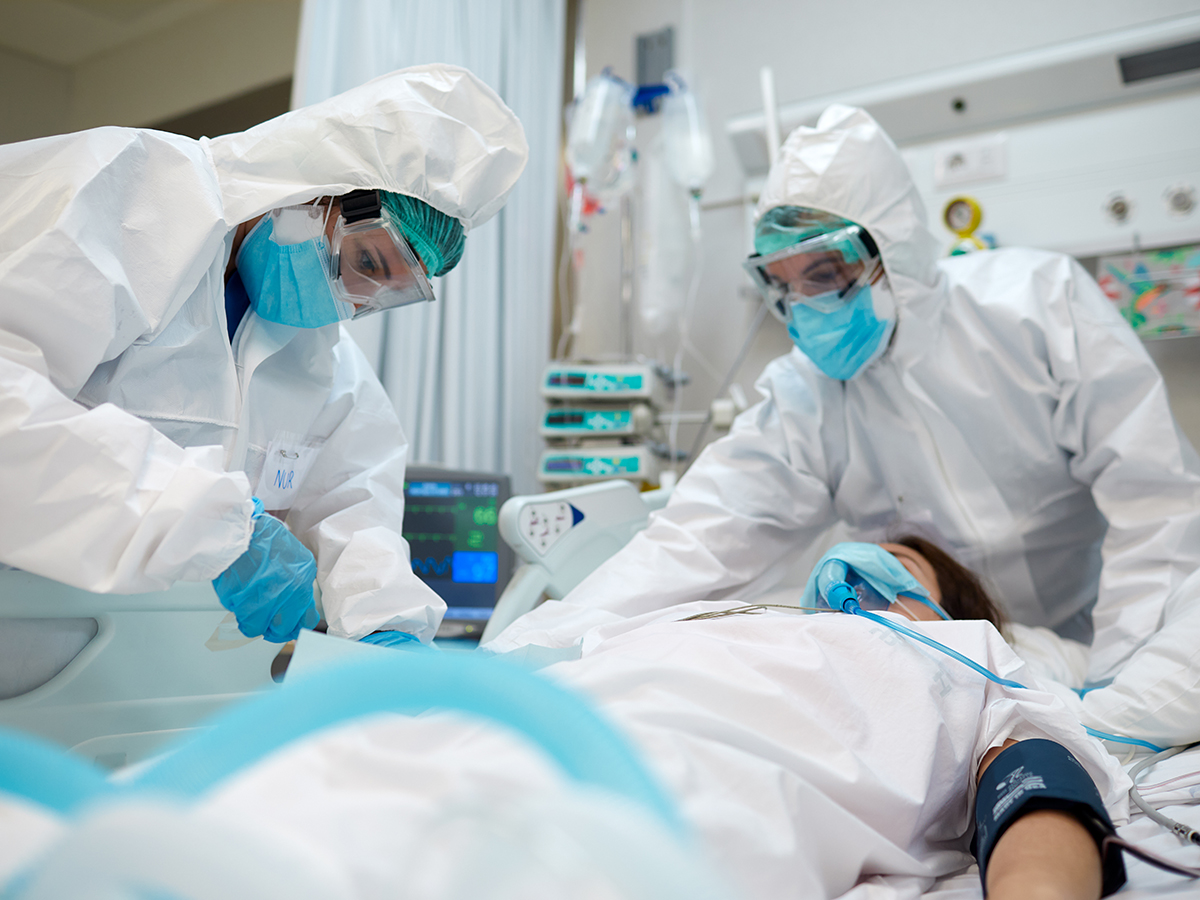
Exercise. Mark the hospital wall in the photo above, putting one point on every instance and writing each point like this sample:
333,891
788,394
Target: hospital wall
35,98
218,52
816,50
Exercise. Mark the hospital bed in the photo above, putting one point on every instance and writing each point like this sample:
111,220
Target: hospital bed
115,676
560,538
198,856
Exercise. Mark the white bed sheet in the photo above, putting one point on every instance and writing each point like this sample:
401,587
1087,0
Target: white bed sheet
270,794
803,750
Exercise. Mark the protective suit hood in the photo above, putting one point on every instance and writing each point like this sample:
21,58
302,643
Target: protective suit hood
432,132
847,165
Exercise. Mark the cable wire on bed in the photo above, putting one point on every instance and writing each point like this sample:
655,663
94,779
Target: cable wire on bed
1184,832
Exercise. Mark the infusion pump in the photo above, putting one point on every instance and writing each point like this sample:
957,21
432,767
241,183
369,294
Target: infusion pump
597,423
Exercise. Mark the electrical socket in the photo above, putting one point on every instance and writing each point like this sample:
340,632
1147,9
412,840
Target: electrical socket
969,161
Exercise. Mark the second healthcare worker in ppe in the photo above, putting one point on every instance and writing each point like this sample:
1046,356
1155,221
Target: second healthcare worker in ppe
995,402
172,367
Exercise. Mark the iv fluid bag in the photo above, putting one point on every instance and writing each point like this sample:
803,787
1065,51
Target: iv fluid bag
665,252
689,143
600,136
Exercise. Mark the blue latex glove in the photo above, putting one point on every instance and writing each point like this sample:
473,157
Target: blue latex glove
394,639
269,587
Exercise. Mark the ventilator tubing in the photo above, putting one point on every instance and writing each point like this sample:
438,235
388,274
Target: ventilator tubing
831,584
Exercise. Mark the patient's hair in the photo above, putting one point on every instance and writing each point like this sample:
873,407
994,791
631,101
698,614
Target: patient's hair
963,595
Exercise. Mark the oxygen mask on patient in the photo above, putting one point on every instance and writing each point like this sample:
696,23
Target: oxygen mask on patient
867,575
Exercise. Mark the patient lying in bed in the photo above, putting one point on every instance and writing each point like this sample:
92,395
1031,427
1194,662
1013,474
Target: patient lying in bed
814,755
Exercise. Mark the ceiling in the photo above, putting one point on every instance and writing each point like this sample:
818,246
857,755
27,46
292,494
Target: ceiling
68,32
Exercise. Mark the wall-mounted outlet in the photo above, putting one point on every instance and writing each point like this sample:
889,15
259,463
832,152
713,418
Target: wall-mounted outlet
957,163
655,55
1118,208
1180,199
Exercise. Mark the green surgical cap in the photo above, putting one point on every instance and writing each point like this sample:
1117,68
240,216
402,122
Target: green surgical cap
435,237
784,226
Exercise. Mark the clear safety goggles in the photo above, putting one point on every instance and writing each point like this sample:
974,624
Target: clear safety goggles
372,266
824,272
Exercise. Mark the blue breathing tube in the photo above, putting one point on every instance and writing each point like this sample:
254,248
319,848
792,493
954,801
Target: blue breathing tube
832,585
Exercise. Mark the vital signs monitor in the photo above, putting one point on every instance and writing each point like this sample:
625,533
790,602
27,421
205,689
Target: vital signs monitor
450,523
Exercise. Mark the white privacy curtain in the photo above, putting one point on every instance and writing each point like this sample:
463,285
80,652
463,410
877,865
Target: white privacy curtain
463,372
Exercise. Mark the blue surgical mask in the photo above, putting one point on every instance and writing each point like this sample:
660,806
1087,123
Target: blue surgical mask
878,578
288,284
843,341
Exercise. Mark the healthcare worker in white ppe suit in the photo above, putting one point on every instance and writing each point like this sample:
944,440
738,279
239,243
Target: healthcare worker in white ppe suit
172,359
995,402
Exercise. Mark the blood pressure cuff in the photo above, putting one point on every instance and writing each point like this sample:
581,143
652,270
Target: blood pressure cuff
1039,774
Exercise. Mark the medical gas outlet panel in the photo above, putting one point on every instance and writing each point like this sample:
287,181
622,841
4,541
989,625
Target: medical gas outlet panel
597,421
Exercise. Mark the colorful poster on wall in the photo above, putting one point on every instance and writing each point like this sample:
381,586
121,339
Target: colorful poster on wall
1157,291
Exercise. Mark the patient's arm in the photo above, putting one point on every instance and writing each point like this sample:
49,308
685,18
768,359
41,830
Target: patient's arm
1046,853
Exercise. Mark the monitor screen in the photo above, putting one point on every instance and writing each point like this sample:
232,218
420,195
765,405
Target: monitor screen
450,523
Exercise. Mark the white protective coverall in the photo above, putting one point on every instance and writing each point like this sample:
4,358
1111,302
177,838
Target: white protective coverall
1016,420
132,433
809,754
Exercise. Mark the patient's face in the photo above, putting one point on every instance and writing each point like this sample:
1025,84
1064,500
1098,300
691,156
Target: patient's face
922,570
